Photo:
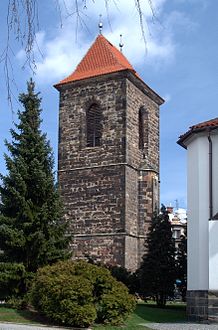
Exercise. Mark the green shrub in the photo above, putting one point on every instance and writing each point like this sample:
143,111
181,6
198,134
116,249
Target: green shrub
79,294
131,280
17,303
64,299
115,305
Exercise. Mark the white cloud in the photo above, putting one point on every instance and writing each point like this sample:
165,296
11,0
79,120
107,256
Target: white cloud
167,98
62,53
202,3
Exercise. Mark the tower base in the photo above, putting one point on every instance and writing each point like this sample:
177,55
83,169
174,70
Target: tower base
202,306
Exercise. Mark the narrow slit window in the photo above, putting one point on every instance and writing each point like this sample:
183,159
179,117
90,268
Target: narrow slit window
94,126
141,129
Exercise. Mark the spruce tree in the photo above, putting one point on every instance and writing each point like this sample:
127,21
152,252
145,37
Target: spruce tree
182,265
32,231
157,272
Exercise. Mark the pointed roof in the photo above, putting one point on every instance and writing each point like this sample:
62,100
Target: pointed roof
101,58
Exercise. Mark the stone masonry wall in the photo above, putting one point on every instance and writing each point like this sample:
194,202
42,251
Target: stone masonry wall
94,199
142,190
75,99
92,181
197,305
107,200
131,196
135,100
148,199
131,253
101,248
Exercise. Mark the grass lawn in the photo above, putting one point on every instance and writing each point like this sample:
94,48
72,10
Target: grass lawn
18,316
144,314
148,313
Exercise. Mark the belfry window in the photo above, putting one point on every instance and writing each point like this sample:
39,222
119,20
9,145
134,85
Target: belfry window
93,126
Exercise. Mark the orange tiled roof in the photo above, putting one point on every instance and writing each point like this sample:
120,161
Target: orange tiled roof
208,123
203,126
101,58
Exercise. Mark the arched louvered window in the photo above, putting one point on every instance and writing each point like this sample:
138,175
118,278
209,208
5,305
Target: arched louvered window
141,128
94,126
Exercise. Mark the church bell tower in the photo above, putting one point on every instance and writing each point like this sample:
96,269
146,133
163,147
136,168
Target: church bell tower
108,162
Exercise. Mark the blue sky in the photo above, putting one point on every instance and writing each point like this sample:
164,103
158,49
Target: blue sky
180,63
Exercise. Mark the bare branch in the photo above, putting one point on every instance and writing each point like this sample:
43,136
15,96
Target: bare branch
58,7
23,23
154,16
141,21
108,15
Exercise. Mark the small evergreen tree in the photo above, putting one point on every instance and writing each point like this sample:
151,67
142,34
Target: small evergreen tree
182,266
32,232
126,277
157,272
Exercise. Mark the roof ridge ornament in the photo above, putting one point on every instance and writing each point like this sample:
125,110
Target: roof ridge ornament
121,44
100,24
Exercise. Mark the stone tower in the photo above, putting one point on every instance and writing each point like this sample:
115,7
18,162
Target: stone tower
108,166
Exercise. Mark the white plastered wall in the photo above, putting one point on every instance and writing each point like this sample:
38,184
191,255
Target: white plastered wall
214,138
202,233
213,225
198,213
213,255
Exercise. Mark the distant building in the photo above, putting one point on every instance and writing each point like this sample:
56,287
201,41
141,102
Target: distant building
108,163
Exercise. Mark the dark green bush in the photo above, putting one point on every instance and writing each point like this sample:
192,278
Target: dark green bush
11,279
131,280
79,294
17,303
115,305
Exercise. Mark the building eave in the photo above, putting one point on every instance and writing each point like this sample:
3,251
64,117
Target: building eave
193,131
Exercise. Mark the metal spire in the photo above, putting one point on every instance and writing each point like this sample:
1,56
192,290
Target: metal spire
100,24
121,44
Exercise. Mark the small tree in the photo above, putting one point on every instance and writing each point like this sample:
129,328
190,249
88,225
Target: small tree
182,266
157,272
32,233
126,277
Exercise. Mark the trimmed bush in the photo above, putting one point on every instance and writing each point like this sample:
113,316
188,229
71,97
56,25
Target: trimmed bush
79,294
115,305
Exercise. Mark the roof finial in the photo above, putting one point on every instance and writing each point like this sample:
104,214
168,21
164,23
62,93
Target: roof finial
100,24
121,43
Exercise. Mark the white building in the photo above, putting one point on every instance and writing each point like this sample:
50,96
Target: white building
201,142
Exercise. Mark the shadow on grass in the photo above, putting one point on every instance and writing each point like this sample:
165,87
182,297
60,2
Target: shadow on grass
171,313
9,314
36,318
32,316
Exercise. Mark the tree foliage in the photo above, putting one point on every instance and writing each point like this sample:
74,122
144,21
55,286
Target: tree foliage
79,293
126,277
32,233
182,265
157,272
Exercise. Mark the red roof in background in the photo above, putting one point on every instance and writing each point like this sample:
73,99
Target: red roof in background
203,126
101,58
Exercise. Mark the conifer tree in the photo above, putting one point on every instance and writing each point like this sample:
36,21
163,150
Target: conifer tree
182,265
32,232
157,272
